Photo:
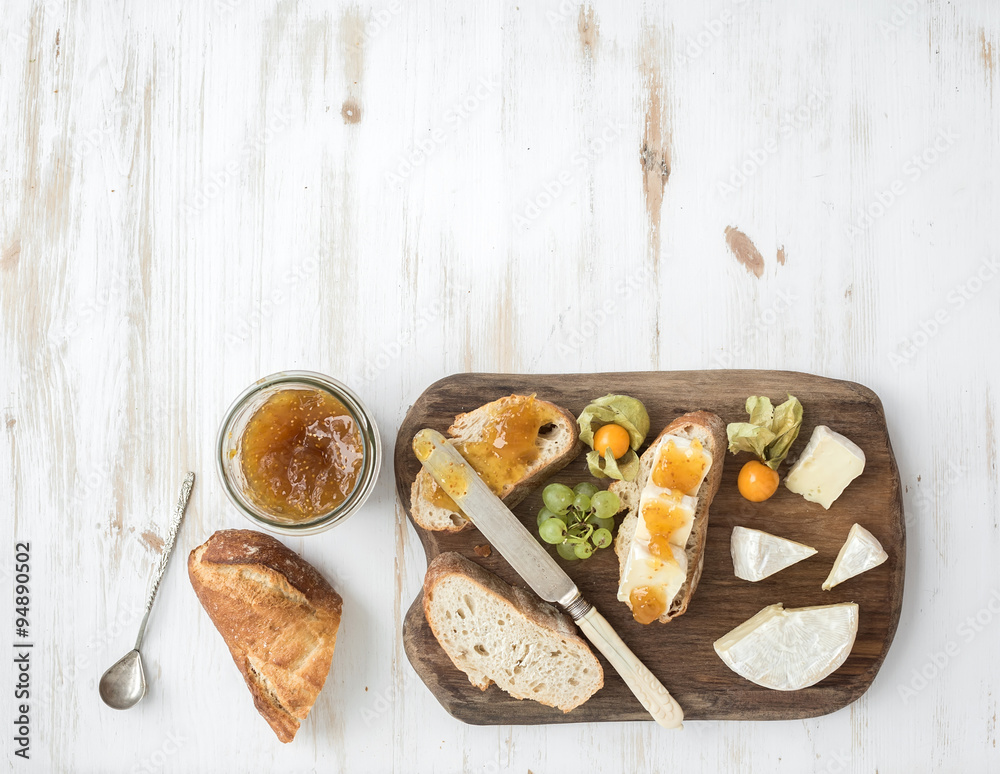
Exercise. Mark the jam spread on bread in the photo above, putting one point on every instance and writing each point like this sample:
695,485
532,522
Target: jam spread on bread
657,564
301,454
680,470
505,451
648,603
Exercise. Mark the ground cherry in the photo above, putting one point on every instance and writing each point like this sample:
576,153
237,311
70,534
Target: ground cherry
614,436
757,481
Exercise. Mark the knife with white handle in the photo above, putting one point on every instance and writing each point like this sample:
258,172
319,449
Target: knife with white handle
538,569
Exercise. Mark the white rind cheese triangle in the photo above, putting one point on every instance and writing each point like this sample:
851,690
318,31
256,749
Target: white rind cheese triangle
860,553
826,466
757,554
788,650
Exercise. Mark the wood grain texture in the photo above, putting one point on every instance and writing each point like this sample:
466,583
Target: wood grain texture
680,652
183,209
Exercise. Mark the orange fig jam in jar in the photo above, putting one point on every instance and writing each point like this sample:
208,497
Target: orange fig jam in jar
301,454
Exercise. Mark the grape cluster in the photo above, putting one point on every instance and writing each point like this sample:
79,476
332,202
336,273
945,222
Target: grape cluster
579,520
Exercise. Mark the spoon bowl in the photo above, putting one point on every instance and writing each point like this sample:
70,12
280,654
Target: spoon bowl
124,684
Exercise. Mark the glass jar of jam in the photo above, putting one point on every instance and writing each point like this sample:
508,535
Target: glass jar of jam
298,452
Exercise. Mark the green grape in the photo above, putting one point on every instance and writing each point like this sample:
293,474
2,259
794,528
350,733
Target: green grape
608,524
557,497
606,504
583,550
582,503
566,551
586,488
544,515
552,531
601,538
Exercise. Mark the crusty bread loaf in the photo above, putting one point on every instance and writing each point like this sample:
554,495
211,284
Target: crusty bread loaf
498,633
558,443
277,615
710,431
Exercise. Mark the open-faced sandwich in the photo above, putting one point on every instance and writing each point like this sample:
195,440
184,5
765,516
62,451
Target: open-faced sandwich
512,443
661,541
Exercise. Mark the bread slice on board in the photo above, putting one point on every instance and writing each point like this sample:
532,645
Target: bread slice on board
710,430
277,615
497,633
558,443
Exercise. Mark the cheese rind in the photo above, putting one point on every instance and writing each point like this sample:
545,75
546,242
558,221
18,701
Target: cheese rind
826,466
757,554
861,552
787,650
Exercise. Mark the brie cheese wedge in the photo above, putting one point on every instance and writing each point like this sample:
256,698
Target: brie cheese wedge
860,553
788,650
756,554
826,466
656,565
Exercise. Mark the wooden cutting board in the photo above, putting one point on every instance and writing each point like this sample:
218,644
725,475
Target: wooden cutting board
680,652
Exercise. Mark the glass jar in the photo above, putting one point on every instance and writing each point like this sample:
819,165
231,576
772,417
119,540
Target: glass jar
230,451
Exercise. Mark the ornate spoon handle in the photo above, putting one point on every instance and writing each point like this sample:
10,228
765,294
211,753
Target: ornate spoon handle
168,549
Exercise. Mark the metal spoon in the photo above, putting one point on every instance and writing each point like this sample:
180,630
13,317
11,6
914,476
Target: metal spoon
124,684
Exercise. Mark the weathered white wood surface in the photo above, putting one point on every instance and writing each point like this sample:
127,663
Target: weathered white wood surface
196,194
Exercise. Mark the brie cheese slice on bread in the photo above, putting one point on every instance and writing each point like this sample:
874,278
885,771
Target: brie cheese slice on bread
657,565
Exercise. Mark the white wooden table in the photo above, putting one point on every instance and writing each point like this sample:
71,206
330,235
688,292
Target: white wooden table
197,194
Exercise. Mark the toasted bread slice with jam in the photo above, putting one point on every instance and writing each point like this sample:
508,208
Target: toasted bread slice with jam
497,633
513,443
709,431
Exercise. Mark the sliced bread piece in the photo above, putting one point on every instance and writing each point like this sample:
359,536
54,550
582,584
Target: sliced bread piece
710,431
544,439
497,633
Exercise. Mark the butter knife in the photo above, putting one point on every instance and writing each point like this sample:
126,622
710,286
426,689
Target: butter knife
538,569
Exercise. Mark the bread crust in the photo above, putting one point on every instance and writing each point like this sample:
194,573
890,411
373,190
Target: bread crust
692,424
512,494
277,615
526,603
